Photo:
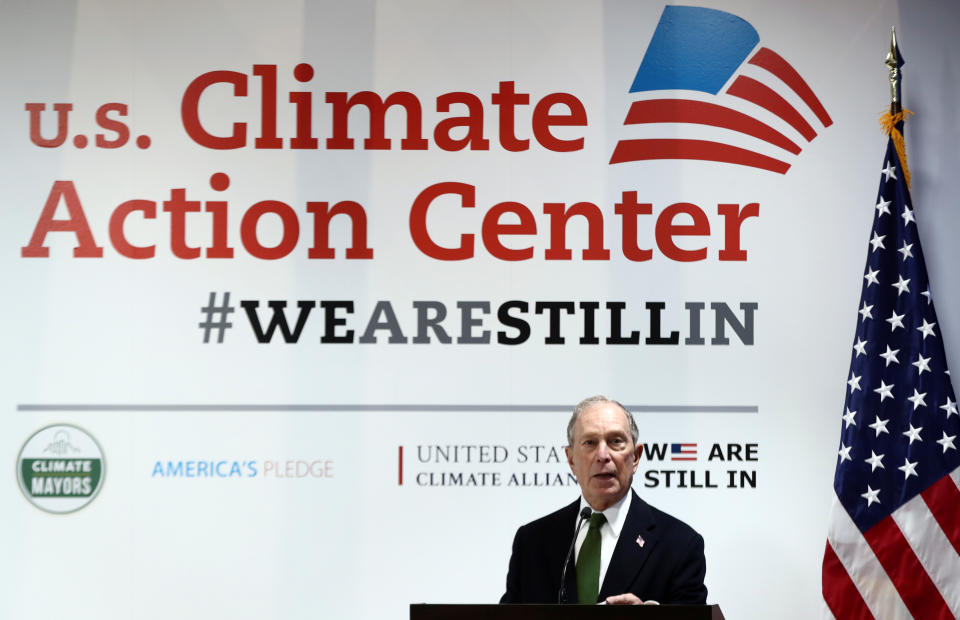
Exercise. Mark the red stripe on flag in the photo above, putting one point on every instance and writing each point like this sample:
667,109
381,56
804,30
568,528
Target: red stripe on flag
703,113
918,592
636,150
765,97
775,64
839,591
943,499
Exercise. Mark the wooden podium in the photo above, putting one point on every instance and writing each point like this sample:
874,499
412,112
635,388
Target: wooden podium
565,612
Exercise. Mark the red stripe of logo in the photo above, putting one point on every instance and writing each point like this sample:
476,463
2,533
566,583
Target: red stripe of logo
637,150
703,113
775,64
756,92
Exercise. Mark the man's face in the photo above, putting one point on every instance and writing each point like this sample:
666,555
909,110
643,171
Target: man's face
603,456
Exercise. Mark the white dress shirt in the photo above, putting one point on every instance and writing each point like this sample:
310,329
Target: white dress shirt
609,532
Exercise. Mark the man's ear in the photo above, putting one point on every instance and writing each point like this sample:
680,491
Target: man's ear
637,451
569,451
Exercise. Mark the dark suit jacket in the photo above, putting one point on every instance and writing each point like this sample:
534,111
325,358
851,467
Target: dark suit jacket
668,568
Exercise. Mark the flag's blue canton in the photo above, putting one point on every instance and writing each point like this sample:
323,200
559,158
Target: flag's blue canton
900,424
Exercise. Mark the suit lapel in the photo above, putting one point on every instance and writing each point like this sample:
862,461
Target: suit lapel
637,540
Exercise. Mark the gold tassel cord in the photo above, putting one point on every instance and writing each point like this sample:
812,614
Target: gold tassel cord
889,123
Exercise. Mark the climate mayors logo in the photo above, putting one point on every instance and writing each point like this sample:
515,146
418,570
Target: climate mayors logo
60,468
696,77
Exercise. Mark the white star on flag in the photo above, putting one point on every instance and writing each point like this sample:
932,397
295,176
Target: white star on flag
890,356
895,320
871,495
908,469
885,391
880,426
917,399
905,250
875,460
926,329
850,418
889,172
860,347
901,286
907,216
914,434
854,382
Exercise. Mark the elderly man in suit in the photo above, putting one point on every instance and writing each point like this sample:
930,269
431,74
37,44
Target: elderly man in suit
631,553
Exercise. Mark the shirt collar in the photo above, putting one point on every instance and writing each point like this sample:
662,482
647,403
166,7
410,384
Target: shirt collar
617,514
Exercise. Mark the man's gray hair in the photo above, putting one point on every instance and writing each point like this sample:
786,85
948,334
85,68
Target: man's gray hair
586,403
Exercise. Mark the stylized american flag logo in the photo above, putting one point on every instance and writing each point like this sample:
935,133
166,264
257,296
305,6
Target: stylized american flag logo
683,452
765,109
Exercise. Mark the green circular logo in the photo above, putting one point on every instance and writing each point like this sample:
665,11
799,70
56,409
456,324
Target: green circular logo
60,468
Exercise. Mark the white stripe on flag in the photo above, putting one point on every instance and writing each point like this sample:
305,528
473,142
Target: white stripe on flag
865,571
932,548
956,476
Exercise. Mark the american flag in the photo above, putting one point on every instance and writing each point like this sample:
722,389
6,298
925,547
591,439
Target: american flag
683,452
893,545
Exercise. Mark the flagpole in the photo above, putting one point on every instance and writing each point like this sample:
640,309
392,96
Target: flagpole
893,122
894,62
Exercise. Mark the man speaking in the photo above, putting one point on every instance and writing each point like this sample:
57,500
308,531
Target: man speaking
627,552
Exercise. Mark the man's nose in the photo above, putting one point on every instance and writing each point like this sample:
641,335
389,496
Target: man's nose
603,452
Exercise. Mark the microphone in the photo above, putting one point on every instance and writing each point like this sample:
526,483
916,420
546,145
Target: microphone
584,515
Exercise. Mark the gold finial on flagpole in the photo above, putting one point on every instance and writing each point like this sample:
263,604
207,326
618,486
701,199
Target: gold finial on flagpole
892,121
894,62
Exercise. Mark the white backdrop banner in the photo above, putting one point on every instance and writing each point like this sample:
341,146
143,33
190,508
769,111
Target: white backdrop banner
300,295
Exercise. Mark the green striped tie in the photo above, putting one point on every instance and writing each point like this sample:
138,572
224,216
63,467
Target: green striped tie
588,562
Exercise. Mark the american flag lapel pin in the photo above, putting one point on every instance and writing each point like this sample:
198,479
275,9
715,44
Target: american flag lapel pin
640,541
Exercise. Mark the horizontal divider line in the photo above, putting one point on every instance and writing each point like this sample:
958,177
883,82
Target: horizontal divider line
382,407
